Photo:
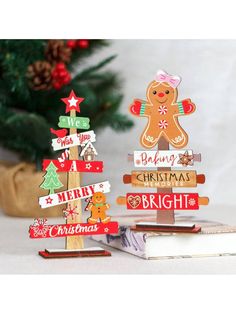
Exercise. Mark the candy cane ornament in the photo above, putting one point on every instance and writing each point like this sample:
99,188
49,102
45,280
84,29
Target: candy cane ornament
64,155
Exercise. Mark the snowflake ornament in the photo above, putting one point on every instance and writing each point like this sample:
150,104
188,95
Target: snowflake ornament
192,202
70,212
163,124
40,227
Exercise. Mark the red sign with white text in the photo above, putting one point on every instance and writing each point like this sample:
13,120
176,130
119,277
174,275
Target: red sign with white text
40,231
75,165
162,201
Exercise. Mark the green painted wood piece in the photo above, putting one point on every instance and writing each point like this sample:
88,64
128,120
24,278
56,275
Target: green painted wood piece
51,179
74,122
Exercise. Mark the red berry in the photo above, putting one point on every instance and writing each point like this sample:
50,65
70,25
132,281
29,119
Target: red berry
60,66
67,79
61,74
57,85
83,43
54,73
71,44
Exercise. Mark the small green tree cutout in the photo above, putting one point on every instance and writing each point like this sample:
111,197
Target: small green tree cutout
51,179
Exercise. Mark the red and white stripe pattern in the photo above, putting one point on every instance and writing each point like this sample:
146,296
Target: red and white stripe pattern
162,110
163,124
64,155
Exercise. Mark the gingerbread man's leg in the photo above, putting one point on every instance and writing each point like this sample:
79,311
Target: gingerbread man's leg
176,135
151,134
104,218
94,217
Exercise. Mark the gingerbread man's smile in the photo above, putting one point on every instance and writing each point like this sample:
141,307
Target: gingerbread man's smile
162,101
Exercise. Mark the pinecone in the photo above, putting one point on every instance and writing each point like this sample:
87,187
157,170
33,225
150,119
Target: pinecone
57,51
39,75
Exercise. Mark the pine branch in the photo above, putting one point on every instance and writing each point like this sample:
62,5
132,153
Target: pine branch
87,73
26,115
94,45
118,122
28,134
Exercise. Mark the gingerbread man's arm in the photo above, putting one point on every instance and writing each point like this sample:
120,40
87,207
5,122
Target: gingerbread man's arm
140,108
184,107
90,206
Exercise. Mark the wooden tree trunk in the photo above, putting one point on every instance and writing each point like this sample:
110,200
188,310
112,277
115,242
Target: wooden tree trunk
74,242
164,216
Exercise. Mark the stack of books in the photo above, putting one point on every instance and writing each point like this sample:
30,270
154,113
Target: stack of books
214,239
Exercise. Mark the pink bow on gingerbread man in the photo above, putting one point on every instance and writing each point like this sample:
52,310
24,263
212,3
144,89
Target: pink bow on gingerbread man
173,80
162,111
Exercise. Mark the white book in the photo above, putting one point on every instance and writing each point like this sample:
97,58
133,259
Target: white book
215,239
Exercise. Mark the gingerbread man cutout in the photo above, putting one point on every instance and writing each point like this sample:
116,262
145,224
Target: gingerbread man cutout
162,111
98,207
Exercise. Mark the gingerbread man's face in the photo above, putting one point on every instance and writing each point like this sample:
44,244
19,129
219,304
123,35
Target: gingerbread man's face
161,93
98,198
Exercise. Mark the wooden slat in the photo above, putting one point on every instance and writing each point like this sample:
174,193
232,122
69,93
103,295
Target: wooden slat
164,179
203,200
75,242
164,216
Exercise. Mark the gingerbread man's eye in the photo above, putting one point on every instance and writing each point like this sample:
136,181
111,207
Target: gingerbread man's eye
167,92
154,92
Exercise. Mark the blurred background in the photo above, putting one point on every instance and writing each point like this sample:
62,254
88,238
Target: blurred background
31,104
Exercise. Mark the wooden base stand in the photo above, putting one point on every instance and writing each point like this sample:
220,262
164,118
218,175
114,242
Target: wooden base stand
157,227
89,252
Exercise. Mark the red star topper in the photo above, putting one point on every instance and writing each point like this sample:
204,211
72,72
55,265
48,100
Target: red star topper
72,102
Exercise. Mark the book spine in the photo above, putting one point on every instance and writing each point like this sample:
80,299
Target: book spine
127,241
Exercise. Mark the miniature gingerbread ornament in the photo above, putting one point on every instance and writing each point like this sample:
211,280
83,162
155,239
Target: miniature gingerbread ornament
162,110
98,207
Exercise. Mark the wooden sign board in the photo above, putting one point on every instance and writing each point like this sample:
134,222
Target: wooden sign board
164,179
73,140
163,201
164,158
73,194
67,230
75,165
74,122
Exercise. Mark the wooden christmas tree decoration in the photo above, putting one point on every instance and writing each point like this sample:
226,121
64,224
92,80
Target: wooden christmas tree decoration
163,129
74,229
